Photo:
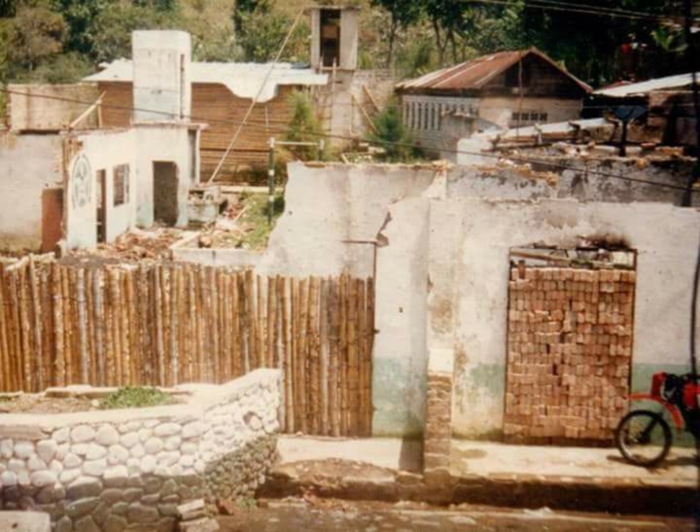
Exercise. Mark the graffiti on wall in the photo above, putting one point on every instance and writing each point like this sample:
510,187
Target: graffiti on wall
81,182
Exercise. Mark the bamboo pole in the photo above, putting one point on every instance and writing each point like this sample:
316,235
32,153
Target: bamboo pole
173,350
212,326
324,332
353,366
158,297
135,351
199,325
343,358
68,325
90,326
165,287
5,373
334,357
313,357
251,319
216,324
115,311
244,329
271,328
287,369
98,286
83,363
48,328
369,353
297,365
261,322
237,363
15,341
26,350
57,294
303,354
183,314
36,315
145,324
361,356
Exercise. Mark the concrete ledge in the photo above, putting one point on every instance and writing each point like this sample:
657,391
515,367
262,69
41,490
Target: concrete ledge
625,496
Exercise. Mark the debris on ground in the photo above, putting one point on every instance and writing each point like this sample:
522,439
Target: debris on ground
196,517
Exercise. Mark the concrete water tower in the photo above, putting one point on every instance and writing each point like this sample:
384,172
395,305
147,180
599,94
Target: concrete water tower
334,37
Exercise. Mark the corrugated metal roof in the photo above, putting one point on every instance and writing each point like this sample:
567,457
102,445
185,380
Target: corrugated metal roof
679,81
476,73
242,79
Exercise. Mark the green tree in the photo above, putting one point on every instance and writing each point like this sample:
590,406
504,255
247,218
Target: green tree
80,16
304,125
403,14
262,31
391,135
112,28
32,35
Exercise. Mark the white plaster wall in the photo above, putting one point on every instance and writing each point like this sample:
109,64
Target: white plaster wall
328,205
162,75
499,111
162,142
666,238
104,150
28,164
400,350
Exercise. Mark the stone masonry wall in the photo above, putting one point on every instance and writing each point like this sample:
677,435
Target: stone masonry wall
438,426
129,469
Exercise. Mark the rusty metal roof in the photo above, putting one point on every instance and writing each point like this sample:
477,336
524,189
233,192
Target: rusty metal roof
478,72
677,82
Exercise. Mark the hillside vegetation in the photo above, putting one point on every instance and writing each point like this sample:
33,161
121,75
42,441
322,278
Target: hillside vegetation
63,40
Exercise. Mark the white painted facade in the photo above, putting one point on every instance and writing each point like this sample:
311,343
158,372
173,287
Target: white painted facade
442,268
28,164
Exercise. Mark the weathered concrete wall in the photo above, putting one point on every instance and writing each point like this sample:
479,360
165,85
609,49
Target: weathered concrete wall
442,264
109,470
499,111
162,142
95,151
50,107
162,75
28,164
329,208
610,179
477,288
333,215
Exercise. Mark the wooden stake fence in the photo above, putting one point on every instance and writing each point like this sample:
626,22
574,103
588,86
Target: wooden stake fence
164,324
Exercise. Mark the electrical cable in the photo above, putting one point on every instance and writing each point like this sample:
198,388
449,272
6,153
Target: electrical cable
282,130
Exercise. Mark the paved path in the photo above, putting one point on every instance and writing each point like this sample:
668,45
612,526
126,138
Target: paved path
488,459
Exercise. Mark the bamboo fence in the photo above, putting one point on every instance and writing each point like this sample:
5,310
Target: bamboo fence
160,324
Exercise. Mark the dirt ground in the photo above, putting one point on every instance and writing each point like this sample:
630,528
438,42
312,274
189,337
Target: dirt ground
320,515
39,404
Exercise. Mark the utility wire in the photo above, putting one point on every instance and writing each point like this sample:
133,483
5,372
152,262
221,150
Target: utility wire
582,9
281,130
254,101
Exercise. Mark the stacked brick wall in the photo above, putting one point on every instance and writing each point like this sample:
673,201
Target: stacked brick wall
438,426
569,352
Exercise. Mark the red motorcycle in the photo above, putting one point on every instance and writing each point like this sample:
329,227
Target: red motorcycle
643,436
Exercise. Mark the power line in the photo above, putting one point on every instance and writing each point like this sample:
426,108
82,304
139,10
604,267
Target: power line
281,130
548,5
254,100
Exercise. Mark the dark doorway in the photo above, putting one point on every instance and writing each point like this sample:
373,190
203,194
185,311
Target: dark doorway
101,206
330,37
165,192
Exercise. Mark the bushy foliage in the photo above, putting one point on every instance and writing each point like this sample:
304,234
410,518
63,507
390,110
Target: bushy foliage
304,126
392,136
135,397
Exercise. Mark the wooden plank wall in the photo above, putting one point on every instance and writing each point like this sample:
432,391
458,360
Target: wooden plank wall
164,324
215,105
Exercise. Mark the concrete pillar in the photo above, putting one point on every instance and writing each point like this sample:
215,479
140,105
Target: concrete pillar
162,81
